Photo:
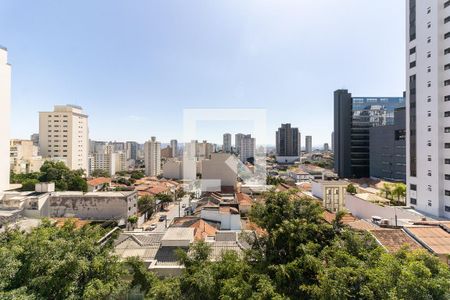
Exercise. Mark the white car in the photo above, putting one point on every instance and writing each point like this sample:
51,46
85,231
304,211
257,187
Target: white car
151,227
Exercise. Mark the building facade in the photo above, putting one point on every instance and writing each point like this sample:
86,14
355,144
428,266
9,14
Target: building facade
152,153
428,106
247,147
131,150
308,144
237,142
387,149
64,135
353,117
174,146
24,157
5,104
226,143
287,140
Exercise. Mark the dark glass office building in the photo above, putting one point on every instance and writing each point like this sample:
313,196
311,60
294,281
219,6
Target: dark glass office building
353,117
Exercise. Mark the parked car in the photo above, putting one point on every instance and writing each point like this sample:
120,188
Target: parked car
162,218
151,227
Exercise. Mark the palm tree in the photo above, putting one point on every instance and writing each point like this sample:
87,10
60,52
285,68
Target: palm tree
399,190
387,190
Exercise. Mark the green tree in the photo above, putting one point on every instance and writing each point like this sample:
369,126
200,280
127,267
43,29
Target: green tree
147,204
399,190
165,198
387,190
137,174
29,184
351,189
64,178
99,173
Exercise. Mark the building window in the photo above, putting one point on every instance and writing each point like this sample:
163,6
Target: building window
413,187
429,173
428,54
429,69
446,51
429,188
447,114
447,161
446,20
447,35
447,129
413,201
447,3
429,41
412,64
429,128
429,83
429,203
447,193
412,50
429,99
447,145
428,10
429,25
447,208
429,143
429,113
429,157
447,177
447,82
447,98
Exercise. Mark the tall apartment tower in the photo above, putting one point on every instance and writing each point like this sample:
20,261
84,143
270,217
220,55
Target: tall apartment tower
64,135
174,147
428,106
287,141
226,143
247,147
131,149
308,144
152,157
5,108
237,142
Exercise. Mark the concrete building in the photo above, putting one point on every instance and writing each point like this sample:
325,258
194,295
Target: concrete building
24,157
326,147
64,134
288,144
173,169
226,143
353,116
166,153
174,146
332,141
387,149
204,150
131,150
308,144
247,148
428,106
152,154
237,142
5,104
220,170
331,192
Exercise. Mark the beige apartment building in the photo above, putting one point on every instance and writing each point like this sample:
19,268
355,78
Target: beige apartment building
64,135
152,157
24,157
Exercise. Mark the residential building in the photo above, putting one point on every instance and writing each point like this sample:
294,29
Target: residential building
247,148
98,184
387,149
24,157
331,192
226,143
118,146
174,147
353,116
173,169
326,147
152,155
204,150
288,145
308,144
428,106
5,104
64,134
131,150
220,170
166,152
237,142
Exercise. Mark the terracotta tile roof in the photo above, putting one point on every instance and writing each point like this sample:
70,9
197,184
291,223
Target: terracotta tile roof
98,180
157,190
434,238
347,219
228,209
244,199
394,239
78,223
362,225
252,226
202,228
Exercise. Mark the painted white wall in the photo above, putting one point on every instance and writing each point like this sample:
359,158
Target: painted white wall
5,109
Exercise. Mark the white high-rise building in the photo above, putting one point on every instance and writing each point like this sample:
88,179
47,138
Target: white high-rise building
428,106
152,157
308,144
247,147
5,108
174,147
226,143
64,135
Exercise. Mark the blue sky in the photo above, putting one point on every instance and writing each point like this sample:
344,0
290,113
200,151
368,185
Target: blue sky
135,65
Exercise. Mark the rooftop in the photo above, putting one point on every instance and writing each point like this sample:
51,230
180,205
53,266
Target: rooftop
434,238
394,239
99,180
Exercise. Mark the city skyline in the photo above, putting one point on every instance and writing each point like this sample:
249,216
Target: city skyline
133,89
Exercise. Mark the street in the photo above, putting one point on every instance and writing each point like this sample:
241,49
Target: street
174,210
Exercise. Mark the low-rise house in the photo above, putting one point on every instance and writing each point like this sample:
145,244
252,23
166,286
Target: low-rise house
228,216
98,184
394,239
245,202
299,175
